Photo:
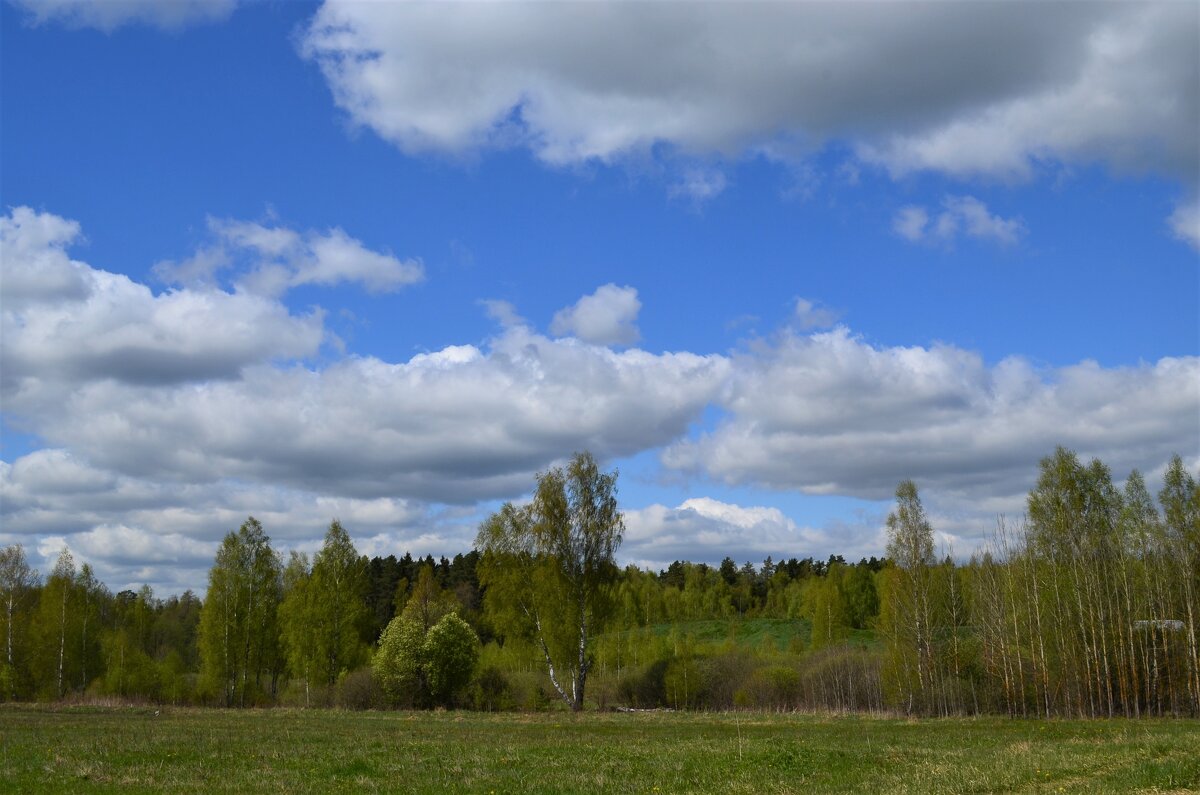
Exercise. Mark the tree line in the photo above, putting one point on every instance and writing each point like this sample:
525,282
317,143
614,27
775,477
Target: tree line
1087,606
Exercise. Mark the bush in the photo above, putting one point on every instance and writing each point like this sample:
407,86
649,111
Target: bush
397,664
359,690
492,690
449,655
771,687
645,689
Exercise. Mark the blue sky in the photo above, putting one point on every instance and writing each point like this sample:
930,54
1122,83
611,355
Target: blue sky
757,272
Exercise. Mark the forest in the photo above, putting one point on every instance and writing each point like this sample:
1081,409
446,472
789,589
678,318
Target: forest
1087,606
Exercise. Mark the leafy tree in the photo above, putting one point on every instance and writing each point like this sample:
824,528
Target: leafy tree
450,653
548,568
339,608
419,666
296,616
239,635
830,613
429,601
17,581
1180,498
397,663
90,593
862,598
56,622
906,615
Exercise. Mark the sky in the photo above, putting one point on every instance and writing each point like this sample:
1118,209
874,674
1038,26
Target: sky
386,262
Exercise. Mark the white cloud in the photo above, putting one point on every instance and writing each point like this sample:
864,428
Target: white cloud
809,315
108,15
1125,96
699,184
910,222
64,322
703,529
503,312
977,221
1185,222
606,317
831,414
136,530
964,215
34,262
169,418
967,90
276,259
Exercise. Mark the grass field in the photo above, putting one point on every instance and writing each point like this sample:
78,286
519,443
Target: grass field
129,750
751,632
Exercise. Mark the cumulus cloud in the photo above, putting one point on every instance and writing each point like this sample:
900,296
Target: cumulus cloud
455,425
193,385
703,529
165,422
144,530
64,322
962,89
809,315
606,317
911,222
832,414
108,15
960,215
276,259
1185,222
1125,96
33,254
503,312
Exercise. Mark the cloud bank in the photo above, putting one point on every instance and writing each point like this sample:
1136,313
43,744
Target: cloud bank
964,90
164,419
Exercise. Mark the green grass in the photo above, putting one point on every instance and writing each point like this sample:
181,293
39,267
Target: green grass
194,750
750,632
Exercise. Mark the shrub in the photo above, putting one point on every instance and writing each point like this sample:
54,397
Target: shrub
772,687
398,662
358,690
645,689
449,655
492,690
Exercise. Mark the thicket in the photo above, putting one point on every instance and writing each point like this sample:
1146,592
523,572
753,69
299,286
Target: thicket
1087,606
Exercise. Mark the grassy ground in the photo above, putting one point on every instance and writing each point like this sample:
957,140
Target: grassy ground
94,749
751,632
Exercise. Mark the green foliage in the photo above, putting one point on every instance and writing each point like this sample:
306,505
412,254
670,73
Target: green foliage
337,608
429,602
907,612
18,582
450,653
296,617
239,634
1091,609
129,671
56,626
398,662
548,568
415,667
830,611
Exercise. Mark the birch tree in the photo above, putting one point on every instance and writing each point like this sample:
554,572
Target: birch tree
338,607
17,581
239,637
549,566
906,615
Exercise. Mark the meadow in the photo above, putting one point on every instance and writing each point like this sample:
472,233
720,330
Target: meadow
108,749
